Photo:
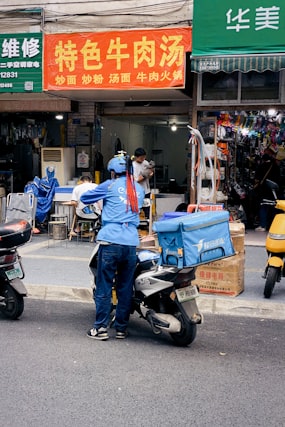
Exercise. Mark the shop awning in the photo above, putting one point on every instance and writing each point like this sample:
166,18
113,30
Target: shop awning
243,63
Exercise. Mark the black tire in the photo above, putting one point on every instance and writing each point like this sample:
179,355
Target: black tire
14,303
182,207
271,278
187,334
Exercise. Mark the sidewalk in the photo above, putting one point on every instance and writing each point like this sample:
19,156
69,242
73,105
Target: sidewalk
60,271
255,238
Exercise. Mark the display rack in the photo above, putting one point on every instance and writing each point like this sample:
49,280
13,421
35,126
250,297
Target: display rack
219,157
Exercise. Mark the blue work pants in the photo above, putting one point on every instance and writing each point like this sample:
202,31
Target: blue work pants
114,260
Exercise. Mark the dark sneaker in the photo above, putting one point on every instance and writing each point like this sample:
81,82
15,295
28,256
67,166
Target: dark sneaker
121,335
98,334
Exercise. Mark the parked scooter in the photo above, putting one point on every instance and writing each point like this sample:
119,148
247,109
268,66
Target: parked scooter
12,290
163,295
275,243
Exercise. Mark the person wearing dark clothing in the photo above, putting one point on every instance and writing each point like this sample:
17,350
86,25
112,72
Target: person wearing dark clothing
268,169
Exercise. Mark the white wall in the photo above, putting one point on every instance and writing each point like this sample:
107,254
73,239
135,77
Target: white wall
131,137
174,145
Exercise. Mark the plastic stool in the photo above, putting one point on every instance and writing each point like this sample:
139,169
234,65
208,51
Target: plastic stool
86,227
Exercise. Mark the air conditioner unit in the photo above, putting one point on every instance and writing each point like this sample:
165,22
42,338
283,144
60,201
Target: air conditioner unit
62,159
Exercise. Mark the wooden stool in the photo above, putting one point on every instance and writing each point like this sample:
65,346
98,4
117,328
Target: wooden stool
71,231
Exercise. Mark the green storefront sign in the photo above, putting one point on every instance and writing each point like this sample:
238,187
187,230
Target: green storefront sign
238,27
21,62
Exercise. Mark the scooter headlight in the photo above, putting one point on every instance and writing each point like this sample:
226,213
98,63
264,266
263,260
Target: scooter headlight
276,236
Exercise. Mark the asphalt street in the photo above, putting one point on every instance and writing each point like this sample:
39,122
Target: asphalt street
58,270
53,375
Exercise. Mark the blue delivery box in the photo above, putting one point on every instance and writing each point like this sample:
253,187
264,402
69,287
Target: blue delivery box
194,239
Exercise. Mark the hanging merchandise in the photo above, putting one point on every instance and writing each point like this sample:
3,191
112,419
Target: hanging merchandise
223,146
219,153
254,133
83,160
200,167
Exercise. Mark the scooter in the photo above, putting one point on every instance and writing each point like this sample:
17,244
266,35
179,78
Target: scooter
275,243
163,296
12,290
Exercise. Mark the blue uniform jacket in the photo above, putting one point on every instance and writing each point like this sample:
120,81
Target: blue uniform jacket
119,223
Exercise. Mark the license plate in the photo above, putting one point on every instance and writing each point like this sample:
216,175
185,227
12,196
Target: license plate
186,294
14,273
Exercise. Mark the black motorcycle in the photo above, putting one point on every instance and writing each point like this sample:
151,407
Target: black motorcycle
12,290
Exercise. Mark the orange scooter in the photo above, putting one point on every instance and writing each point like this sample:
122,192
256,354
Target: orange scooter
275,243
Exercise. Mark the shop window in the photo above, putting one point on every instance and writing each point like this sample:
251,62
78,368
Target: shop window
239,88
220,86
260,85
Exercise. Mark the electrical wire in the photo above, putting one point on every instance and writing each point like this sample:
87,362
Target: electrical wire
76,22
135,10
146,10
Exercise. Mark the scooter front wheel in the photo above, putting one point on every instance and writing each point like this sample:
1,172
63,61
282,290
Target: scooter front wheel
271,279
187,334
12,305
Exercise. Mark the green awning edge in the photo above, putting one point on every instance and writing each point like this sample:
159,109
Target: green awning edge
243,63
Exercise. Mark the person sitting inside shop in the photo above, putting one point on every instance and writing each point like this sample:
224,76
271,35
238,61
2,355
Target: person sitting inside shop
90,212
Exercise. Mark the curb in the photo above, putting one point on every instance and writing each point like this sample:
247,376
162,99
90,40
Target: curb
59,293
239,307
207,304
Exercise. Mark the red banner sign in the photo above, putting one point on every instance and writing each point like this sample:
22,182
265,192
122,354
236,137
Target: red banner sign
139,59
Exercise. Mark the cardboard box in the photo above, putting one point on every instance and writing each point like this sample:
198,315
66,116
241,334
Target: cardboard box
237,230
222,277
194,239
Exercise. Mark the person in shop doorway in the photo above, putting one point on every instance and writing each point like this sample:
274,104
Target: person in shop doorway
118,238
268,169
143,171
91,211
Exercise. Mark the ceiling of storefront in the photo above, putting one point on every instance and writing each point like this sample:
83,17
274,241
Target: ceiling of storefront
122,95
143,107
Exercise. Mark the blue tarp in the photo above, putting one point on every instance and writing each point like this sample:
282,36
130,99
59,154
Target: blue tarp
43,189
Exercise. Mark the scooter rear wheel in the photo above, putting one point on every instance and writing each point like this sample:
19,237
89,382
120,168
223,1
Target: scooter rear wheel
187,334
271,279
13,303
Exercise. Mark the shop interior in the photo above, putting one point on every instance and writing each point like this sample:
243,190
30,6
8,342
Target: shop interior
25,137
22,136
237,141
